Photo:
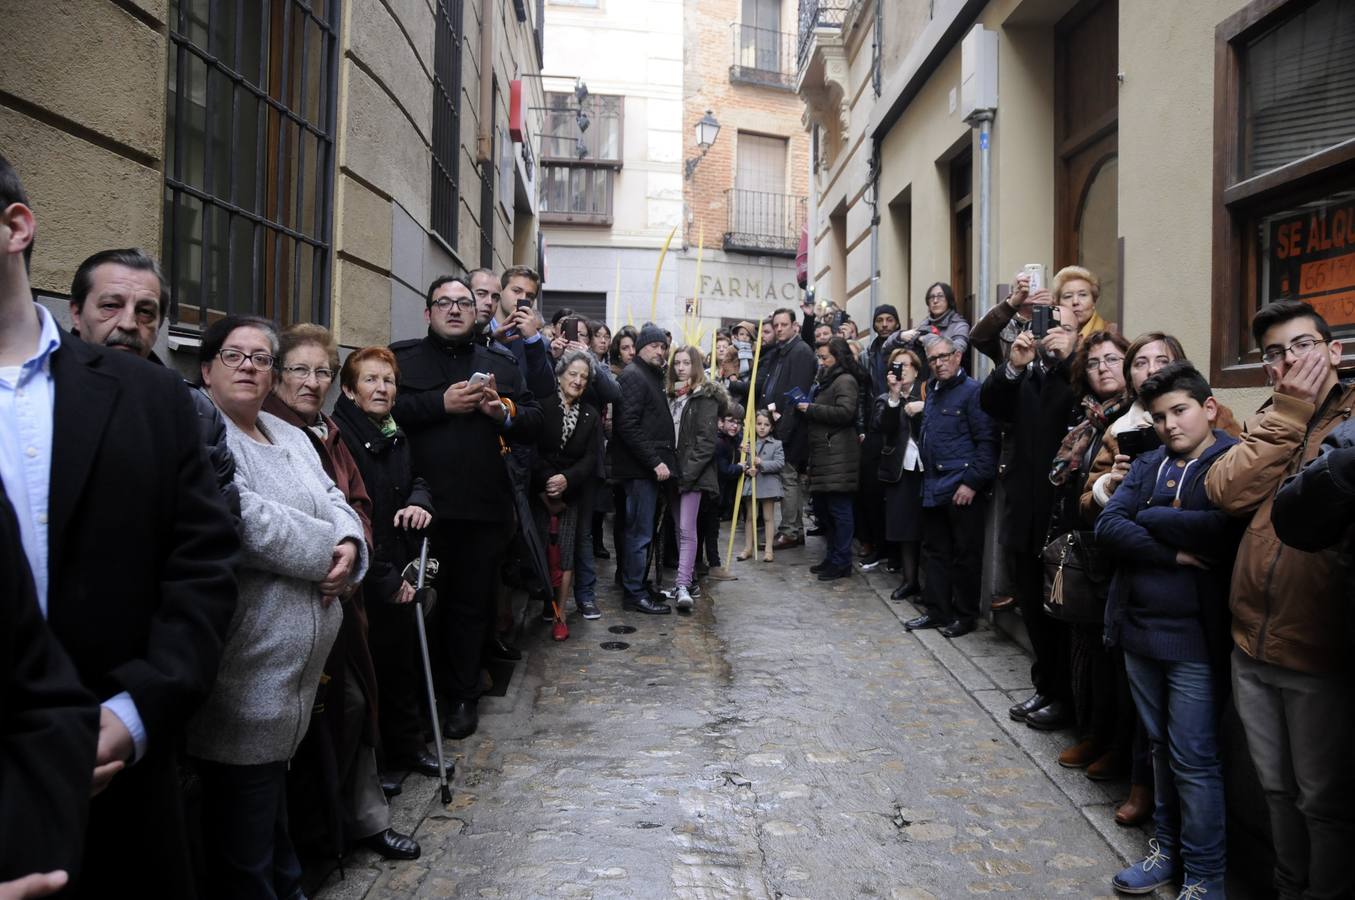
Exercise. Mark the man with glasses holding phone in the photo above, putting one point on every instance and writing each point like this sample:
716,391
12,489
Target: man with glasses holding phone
1291,613
461,403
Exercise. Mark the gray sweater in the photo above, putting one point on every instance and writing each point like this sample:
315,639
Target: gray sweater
292,516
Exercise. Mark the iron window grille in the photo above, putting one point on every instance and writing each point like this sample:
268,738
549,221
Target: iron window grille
249,159
447,119
763,56
764,223
818,14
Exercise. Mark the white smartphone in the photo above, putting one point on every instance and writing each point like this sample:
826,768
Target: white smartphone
478,379
1036,273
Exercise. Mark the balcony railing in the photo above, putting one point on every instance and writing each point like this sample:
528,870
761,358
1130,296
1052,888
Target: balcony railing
761,222
818,14
763,56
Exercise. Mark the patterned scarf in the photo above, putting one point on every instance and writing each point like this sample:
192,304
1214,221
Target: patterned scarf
1072,455
388,426
569,419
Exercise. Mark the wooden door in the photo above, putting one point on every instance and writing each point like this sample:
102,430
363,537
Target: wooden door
1086,140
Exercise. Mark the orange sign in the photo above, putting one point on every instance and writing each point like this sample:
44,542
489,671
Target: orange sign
1312,258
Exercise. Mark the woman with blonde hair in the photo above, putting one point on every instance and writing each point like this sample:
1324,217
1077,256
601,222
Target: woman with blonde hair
1077,287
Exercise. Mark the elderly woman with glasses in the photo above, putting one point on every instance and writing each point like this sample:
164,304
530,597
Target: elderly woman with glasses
303,546
309,358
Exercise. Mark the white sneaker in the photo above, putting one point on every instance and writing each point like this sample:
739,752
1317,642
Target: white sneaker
684,599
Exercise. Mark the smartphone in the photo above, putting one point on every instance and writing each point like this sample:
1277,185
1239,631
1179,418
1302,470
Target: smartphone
572,328
524,303
478,379
1138,441
1036,273
897,370
1042,318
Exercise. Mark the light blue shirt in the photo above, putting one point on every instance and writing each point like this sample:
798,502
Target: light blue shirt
27,401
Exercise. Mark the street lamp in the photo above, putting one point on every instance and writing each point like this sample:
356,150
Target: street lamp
707,130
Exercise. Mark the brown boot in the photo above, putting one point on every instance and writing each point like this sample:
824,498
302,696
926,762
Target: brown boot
1108,767
1138,808
1078,756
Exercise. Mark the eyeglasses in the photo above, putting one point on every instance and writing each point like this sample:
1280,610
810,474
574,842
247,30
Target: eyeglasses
302,373
1109,362
933,360
234,359
1300,347
937,296
443,303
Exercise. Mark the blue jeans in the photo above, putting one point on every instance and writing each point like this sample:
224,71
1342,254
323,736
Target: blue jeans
1179,706
835,508
642,496
244,814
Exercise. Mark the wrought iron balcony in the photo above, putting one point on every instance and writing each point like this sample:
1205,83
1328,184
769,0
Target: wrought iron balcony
763,56
764,223
818,14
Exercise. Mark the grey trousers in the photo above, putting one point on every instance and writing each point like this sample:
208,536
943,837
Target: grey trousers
792,504
1300,733
365,809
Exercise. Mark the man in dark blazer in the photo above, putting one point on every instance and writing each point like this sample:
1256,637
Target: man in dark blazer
132,551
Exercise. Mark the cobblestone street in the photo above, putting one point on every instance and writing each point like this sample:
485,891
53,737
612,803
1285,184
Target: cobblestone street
787,740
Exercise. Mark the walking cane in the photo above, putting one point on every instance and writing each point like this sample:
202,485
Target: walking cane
422,592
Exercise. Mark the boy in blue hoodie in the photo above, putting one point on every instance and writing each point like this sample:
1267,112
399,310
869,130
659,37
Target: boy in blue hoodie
1168,611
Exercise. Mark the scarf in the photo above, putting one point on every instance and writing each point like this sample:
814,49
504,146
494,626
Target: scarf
569,418
1072,455
387,426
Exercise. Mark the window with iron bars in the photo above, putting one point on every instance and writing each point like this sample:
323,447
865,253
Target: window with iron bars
447,119
249,159
579,167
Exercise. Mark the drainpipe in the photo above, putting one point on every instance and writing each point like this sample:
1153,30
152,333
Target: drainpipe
991,553
485,142
873,192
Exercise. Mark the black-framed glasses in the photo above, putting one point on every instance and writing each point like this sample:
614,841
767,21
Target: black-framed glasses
443,303
933,360
1299,346
1110,362
234,359
301,373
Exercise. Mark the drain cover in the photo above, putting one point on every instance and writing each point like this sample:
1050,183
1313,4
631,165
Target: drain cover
622,629
615,645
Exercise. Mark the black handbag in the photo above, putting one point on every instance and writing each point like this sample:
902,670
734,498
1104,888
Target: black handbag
1076,578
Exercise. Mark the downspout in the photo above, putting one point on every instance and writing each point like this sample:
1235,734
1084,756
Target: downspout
877,51
485,138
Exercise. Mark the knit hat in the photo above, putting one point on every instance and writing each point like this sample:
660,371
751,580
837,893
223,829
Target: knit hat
650,334
885,309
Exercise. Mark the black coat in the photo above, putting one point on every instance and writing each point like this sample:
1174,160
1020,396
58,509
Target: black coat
388,474
1038,405
791,364
459,455
49,724
642,426
141,588
577,459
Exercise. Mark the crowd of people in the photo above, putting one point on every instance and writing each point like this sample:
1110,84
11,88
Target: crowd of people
210,651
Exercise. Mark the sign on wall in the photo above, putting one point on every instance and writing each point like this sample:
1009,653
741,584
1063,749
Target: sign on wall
1312,258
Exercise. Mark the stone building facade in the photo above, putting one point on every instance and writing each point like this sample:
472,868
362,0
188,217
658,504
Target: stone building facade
308,162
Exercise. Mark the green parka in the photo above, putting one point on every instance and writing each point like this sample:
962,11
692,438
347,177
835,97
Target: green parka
834,450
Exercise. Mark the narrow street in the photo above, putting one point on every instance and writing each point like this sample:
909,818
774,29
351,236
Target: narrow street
787,740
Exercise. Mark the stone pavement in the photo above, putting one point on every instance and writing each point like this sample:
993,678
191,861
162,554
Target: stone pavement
789,739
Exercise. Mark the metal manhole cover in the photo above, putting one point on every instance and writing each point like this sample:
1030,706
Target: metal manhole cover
615,645
622,629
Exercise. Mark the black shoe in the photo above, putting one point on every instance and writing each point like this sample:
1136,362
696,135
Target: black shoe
645,605
904,591
816,531
926,620
391,844
834,574
1049,718
893,566
1028,706
819,567
600,552
958,628
390,786
503,651
424,763
462,721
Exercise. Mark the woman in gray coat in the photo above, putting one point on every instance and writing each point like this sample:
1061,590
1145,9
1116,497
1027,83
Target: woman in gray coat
834,451
302,548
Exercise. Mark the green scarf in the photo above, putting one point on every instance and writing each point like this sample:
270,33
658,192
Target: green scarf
388,426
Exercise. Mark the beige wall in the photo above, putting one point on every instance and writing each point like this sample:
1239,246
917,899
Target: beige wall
92,168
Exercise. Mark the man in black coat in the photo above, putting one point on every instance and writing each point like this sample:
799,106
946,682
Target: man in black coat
1032,393
49,724
132,550
792,364
461,403
644,459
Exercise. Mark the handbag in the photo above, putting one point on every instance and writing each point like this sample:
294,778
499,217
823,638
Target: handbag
1076,578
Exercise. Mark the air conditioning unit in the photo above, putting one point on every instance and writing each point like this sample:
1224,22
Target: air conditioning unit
978,72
